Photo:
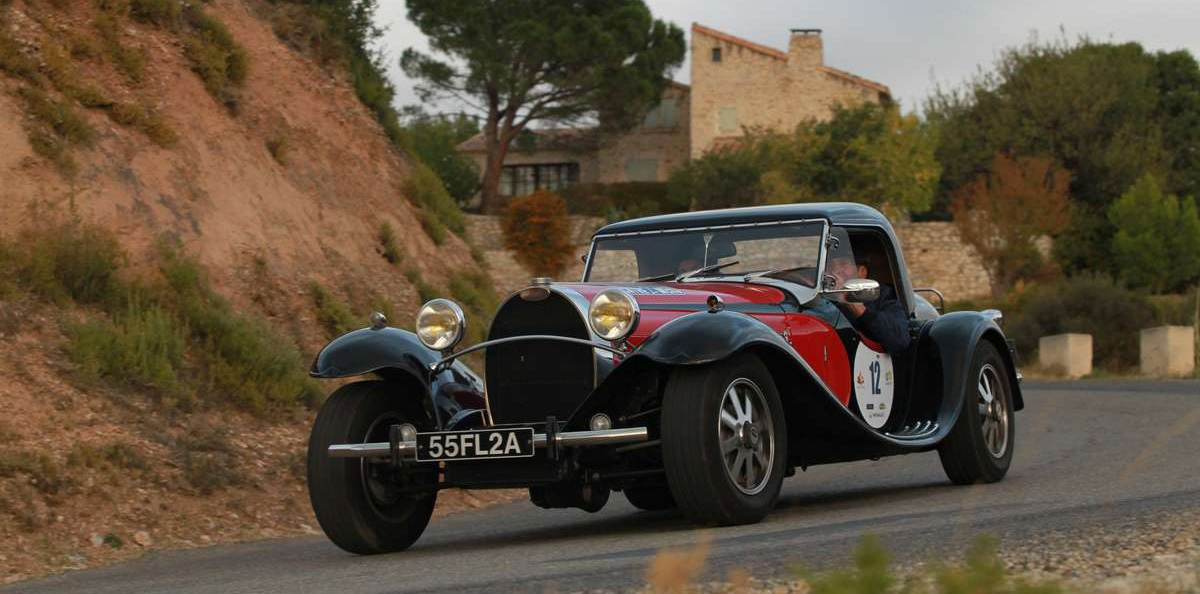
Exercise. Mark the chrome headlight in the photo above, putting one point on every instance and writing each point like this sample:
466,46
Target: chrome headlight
441,324
613,314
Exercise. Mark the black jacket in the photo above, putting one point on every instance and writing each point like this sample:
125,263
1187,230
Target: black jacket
885,321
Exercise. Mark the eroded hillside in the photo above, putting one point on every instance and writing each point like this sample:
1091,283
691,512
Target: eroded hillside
194,126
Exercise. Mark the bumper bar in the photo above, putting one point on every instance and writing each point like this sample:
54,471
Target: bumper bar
408,449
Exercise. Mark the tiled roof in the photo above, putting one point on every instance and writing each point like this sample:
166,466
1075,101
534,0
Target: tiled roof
545,139
746,43
778,55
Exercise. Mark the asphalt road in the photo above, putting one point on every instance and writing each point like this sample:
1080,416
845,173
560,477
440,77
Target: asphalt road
1087,453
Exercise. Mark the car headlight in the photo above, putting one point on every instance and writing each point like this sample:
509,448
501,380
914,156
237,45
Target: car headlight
613,314
440,324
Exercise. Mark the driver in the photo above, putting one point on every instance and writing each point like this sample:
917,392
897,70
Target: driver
883,320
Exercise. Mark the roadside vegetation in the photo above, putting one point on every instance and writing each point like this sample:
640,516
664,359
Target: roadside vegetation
167,333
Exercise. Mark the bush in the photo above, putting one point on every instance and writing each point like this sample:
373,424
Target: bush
720,178
1157,241
164,13
425,190
216,57
332,314
1112,314
425,291
624,200
114,455
149,121
387,244
131,61
434,139
537,230
208,459
143,347
43,472
71,260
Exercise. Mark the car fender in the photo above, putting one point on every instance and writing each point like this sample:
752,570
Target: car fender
398,355
704,337
954,338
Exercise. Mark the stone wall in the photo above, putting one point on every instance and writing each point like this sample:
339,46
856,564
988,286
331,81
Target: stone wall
935,256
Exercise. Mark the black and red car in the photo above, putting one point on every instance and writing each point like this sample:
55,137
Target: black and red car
701,359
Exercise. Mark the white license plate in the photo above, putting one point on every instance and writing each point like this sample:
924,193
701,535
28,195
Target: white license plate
475,445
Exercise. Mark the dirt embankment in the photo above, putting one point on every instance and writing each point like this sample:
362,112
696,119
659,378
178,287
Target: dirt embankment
284,183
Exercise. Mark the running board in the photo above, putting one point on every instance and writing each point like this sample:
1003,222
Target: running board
916,431
408,449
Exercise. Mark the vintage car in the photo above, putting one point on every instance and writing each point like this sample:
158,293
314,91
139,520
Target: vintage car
701,359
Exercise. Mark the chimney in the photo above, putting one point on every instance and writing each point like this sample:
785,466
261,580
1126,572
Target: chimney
804,49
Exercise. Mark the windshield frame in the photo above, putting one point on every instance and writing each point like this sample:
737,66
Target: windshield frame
802,293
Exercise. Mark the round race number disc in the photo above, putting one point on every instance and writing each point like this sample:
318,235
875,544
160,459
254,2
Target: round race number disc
874,385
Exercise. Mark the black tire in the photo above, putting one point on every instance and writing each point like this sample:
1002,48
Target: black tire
692,443
650,498
969,453
350,506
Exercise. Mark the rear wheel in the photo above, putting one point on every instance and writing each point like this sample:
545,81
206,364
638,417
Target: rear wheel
979,448
724,441
650,498
365,505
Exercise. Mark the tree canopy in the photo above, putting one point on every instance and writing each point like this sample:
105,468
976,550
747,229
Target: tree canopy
1109,113
1157,240
434,139
558,62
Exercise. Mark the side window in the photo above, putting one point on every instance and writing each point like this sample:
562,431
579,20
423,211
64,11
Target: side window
727,119
641,170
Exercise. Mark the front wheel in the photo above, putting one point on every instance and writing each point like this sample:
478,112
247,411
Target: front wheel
979,448
724,441
364,505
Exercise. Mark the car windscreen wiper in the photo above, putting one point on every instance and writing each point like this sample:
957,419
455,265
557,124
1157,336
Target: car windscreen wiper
704,270
661,277
773,272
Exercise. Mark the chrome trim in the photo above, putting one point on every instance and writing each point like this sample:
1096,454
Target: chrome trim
458,312
941,298
633,324
408,449
437,365
687,229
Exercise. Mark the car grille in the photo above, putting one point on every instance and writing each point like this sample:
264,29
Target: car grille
529,380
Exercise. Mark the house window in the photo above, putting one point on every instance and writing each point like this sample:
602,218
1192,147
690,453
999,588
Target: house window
716,54
664,116
727,119
641,170
518,180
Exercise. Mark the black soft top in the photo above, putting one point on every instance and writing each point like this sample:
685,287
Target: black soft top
838,213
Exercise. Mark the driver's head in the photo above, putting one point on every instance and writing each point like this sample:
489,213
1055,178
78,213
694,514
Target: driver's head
844,268
688,265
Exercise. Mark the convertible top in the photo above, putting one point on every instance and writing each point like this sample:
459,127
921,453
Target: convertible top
838,213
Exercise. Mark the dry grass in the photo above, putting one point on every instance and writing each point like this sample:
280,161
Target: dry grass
671,571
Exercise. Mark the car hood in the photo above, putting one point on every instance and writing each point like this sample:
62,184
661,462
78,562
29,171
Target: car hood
663,302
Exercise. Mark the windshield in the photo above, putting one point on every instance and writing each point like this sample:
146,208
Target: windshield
789,251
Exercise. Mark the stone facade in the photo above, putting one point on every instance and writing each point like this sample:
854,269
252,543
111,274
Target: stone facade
736,85
934,254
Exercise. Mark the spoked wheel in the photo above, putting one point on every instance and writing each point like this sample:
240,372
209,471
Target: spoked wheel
980,446
724,441
364,505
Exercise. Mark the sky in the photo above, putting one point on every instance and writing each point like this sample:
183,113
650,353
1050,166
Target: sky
909,45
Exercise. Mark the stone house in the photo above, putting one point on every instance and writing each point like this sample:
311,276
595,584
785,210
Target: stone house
736,84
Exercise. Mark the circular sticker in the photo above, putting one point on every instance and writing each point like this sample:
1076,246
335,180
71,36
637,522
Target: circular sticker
874,385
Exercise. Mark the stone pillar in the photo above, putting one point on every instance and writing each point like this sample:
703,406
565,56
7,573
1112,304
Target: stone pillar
1069,353
1168,351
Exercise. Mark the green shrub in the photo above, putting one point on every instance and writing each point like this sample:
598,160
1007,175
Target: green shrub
43,472
215,56
131,61
387,244
149,121
1176,310
425,190
71,260
624,200
434,139
720,179
1112,314
537,230
332,314
164,13
475,292
114,455
1157,240
142,347
13,60
432,226
425,291
57,116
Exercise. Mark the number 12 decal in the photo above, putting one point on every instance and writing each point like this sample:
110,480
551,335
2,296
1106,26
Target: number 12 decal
875,373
